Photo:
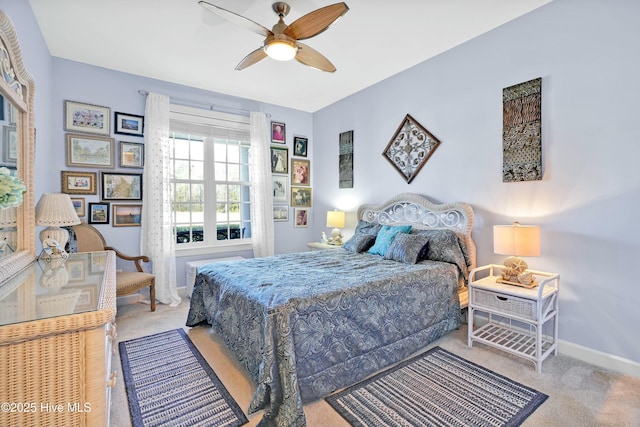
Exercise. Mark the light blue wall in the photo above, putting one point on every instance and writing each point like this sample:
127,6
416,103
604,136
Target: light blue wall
589,200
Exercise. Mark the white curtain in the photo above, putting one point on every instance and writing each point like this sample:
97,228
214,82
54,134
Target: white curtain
157,240
262,233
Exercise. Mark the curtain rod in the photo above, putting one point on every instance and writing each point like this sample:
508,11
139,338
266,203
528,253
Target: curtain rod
212,107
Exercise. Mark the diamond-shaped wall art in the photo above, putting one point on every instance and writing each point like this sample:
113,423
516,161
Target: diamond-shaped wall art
410,148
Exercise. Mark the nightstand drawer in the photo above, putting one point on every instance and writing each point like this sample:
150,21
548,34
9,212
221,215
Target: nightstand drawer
507,304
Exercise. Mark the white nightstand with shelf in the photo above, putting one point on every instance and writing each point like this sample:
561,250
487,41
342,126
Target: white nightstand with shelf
317,246
506,305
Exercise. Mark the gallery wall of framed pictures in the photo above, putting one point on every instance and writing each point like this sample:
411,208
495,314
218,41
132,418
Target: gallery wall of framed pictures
102,168
105,162
290,176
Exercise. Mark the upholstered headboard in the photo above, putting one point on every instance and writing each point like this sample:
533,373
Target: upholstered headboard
421,213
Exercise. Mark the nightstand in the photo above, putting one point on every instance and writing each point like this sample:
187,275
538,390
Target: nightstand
516,316
316,246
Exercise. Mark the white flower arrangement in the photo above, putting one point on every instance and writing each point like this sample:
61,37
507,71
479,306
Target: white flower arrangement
11,189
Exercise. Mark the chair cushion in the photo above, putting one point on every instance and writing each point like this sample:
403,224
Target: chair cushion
128,282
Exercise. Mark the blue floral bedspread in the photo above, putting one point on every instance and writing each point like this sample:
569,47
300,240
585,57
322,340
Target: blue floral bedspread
309,323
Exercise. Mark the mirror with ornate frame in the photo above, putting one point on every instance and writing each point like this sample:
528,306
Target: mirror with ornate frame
18,151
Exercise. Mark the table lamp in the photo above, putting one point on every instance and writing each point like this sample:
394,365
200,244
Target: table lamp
335,220
516,240
55,210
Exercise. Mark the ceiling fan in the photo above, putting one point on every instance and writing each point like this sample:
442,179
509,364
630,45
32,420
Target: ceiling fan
282,41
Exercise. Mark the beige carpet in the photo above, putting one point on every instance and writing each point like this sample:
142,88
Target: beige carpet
579,394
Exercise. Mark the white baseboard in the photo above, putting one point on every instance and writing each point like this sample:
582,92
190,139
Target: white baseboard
586,354
182,291
599,358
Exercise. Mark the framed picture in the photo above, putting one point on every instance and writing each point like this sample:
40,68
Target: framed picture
98,213
76,269
280,188
90,151
121,186
131,155
345,160
410,148
129,124
79,182
300,146
280,213
279,160
301,197
88,118
300,172
301,217
78,205
9,145
278,132
127,215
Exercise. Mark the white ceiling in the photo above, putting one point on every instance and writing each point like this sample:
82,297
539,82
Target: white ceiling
180,42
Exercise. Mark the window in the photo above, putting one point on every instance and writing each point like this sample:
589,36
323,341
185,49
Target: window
209,177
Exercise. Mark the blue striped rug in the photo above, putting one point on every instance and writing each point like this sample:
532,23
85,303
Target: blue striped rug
437,388
169,383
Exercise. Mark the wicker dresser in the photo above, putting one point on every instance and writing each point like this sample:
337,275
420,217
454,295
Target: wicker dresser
56,343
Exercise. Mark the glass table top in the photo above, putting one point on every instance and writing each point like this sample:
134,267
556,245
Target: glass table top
49,289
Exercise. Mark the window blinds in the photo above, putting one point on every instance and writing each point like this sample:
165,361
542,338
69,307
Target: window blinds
199,122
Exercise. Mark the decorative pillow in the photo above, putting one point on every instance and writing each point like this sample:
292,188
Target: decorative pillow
365,227
447,246
359,242
408,248
385,236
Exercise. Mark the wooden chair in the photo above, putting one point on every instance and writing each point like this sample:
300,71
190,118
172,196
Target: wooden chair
89,239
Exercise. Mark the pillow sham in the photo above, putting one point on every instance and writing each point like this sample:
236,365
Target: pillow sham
385,236
407,248
359,242
447,246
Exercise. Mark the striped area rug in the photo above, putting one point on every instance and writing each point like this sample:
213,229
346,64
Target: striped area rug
437,388
169,383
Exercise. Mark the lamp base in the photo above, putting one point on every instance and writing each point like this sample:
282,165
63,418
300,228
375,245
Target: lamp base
515,273
53,241
336,237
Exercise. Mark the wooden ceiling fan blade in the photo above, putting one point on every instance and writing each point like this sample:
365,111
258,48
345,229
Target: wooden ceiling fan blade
236,19
315,22
251,59
313,58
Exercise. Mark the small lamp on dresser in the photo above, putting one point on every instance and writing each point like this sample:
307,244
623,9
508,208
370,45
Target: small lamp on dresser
335,220
55,210
516,240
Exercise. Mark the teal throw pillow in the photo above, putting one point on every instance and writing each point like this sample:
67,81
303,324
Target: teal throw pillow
385,236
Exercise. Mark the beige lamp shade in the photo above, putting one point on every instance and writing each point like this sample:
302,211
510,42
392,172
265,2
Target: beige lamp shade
335,219
56,210
516,239
8,217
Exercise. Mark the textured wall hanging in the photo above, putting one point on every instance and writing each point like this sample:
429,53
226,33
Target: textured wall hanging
345,160
521,132
410,148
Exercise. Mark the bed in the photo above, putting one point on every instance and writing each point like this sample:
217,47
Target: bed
306,324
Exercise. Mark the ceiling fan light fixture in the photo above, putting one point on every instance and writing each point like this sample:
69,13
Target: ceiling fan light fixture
281,50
